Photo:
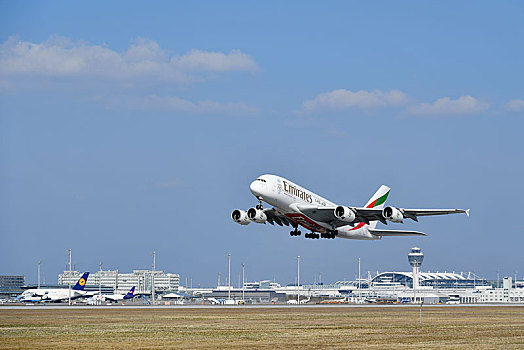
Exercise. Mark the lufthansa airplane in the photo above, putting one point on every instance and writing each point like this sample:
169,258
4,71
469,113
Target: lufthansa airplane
54,294
120,297
295,206
111,297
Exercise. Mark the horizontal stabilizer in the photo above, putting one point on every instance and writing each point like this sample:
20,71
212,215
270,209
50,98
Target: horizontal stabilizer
388,233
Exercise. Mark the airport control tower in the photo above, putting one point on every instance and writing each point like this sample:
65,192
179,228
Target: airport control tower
415,260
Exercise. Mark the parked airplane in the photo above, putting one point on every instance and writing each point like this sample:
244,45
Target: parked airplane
54,294
296,206
119,297
100,298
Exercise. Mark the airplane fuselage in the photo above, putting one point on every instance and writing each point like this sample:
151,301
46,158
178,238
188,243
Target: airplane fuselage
287,197
48,294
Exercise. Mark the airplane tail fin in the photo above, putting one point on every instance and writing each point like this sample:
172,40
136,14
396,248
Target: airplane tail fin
80,285
377,201
130,294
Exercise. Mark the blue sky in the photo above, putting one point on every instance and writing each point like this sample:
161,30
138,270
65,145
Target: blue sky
128,126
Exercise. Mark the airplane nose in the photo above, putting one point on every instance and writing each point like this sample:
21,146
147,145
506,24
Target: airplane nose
255,188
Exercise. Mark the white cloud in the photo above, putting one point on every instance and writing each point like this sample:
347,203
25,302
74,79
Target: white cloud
515,105
177,104
344,99
447,106
197,60
144,60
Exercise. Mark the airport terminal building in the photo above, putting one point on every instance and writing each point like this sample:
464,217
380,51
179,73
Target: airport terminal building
416,286
429,279
122,282
11,285
404,287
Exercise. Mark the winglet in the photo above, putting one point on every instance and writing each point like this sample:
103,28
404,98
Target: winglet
467,212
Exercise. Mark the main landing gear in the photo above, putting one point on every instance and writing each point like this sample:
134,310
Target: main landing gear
314,235
295,232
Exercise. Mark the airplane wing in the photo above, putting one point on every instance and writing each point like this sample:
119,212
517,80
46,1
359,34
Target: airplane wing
413,213
388,233
322,214
274,216
327,214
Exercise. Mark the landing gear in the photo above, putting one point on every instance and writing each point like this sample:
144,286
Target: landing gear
329,235
259,206
312,235
295,232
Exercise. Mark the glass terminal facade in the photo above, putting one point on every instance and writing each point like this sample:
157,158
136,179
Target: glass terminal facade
433,279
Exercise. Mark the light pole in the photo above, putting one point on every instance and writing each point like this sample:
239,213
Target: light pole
243,281
298,280
359,283
100,284
229,277
69,279
421,311
39,262
153,278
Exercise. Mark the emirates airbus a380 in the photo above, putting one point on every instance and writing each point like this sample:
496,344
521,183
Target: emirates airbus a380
295,206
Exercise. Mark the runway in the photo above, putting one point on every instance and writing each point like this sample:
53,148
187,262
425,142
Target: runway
251,306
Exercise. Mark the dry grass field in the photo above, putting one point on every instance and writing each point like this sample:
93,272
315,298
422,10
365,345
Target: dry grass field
264,328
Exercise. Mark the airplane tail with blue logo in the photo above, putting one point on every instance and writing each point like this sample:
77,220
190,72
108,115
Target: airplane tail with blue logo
81,284
130,294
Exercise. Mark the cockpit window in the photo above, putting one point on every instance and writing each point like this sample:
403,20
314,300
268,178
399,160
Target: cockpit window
261,180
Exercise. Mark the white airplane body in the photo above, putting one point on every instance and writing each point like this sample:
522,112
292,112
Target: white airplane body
113,297
54,294
296,206
119,297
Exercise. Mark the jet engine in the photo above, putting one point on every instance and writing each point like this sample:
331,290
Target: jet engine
345,214
392,214
256,215
240,217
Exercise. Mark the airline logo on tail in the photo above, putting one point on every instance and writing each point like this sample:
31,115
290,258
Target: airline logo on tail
80,285
379,197
130,294
377,201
